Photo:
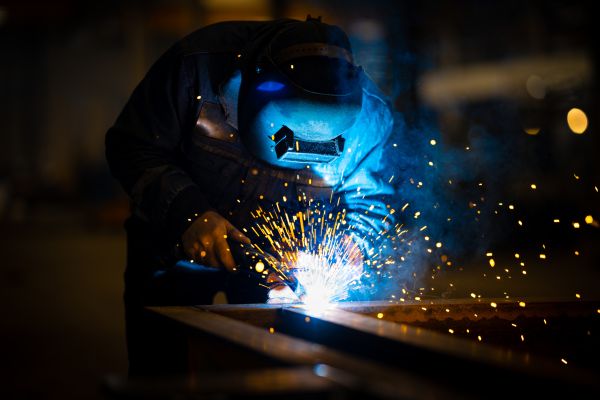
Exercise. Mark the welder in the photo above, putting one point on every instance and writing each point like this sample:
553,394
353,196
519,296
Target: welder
235,116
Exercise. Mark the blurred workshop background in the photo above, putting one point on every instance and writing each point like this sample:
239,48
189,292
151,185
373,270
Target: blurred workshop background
525,73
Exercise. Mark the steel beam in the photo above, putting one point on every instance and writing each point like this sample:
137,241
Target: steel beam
216,342
386,345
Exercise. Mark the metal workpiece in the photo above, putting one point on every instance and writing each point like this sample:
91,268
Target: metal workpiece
416,350
561,331
219,343
451,359
471,309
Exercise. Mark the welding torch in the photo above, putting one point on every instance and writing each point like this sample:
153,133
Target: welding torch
251,262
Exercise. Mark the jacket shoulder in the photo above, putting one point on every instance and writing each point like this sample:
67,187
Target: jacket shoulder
377,106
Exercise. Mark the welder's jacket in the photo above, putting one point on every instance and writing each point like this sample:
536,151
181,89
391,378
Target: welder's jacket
176,150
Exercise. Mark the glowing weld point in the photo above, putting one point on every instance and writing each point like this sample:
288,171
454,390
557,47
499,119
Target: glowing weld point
317,303
324,281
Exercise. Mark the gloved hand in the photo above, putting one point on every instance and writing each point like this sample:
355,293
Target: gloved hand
205,241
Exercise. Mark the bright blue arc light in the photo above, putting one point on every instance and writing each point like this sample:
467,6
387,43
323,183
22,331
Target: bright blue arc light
270,86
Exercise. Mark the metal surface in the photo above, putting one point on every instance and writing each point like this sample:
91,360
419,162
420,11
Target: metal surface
454,361
391,345
216,342
291,382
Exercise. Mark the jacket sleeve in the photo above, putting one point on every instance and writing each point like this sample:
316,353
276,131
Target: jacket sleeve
143,148
366,190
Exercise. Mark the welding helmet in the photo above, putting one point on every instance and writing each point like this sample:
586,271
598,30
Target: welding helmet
299,96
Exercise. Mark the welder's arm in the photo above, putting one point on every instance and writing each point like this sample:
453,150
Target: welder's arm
366,193
142,148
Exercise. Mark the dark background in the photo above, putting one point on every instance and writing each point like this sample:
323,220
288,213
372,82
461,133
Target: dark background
467,73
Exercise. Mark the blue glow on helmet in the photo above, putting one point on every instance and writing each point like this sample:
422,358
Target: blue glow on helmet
270,86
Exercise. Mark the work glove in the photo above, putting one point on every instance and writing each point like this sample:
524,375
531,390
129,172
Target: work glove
205,240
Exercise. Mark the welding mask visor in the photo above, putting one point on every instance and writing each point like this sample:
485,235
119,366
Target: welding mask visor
296,105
